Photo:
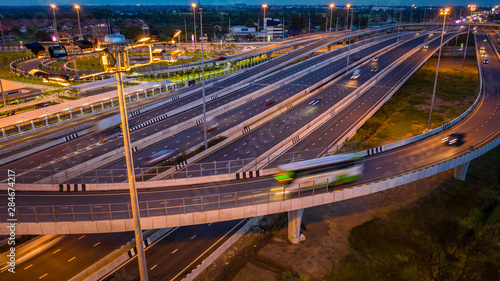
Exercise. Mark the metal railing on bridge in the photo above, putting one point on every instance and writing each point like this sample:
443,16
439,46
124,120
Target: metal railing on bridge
187,171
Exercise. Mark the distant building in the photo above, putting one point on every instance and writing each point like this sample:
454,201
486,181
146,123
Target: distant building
274,28
243,30
99,32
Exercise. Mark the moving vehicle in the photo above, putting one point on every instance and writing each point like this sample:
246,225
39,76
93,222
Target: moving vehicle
482,48
356,58
485,61
268,102
221,58
375,59
356,74
426,46
64,41
453,139
375,69
158,157
331,170
211,124
314,102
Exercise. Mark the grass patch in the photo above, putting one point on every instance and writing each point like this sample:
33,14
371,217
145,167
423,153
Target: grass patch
452,234
406,114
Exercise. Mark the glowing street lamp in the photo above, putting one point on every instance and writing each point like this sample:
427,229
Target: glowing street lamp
347,15
55,25
331,14
77,7
264,6
472,8
443,12
411,13
194,20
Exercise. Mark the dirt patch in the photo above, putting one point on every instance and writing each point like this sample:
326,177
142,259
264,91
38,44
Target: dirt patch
265,254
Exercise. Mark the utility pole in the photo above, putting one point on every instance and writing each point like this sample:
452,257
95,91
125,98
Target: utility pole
472,8
203,79
185,30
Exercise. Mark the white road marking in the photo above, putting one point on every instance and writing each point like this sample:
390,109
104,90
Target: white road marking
153,267
56,251
43,276
71,259
97,244
175,251
193,237
81,237
28,266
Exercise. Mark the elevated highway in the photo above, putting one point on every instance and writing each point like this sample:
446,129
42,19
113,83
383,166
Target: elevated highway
217,202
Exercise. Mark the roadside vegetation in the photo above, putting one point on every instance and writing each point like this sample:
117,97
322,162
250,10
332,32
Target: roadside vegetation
452,234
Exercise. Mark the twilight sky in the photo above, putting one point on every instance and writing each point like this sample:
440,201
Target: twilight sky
229,2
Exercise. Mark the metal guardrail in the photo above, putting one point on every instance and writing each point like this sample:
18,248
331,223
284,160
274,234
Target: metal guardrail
193,170
208,202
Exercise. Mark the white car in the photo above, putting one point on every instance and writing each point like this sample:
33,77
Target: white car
375,59
482,48
356,74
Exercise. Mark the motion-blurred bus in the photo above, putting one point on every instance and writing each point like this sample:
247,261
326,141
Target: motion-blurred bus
334,170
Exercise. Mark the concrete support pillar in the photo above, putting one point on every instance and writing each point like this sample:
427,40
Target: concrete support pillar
329,48
112,103
32,124
92,107
46,121
70,114
81,111
19,128
137,95
58,118
461,171
102,105
3,133
294,221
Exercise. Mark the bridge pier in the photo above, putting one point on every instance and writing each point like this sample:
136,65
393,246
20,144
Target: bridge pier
294,221
461,171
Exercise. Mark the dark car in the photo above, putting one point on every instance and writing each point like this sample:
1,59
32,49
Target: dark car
314,102
453,139
221,58
356,58
485,61
268,102
375,69
157,157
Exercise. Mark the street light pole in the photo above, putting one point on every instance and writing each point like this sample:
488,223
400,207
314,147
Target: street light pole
444,13
118,39
349,46
472,8
55,25
400,14
77,7
264,6
194,21
411,13
347,16
331,14
203,80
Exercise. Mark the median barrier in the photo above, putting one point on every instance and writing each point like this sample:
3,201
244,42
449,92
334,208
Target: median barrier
118,257
256,121
441,128
65,176
324,117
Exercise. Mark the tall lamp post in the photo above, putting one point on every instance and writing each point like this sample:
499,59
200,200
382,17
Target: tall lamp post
77,7
411,13
203,79
444,13
349,47
347,16
400,15
117,40
264,6
472,8
331,14
194,21
55,25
